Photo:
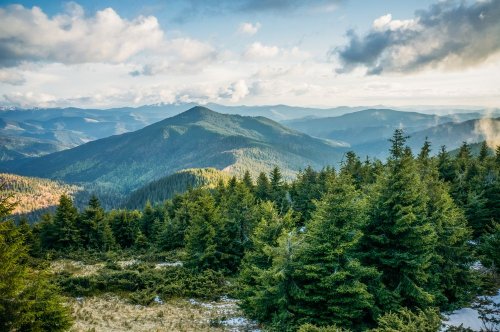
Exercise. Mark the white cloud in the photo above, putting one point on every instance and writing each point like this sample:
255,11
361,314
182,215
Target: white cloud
258,51
11,77
385,22
29,34
248,28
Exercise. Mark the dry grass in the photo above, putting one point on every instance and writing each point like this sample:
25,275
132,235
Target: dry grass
76,268
110,313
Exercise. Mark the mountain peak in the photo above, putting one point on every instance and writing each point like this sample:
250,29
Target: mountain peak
199,110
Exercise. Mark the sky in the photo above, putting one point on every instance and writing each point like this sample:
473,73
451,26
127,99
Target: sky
316,53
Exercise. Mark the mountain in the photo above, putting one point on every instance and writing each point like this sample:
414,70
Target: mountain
64,128
451,134
366,125
166,187
197,138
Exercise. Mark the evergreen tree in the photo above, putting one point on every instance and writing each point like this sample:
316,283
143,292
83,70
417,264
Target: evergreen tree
27,301
278,193
353,167
258,260
125,226
445,165
201,234
399,240
330,280
248,181
147,220
237,225
453,256
263,188
304,191
66,235
90,225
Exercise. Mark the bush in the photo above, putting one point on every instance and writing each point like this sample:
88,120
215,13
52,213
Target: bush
428,320
142,284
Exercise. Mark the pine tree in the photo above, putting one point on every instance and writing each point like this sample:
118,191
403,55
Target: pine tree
330,280
399,239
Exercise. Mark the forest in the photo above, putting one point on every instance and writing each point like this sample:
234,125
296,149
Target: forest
371,246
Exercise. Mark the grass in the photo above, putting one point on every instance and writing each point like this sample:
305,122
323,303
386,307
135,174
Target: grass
111,313
119,311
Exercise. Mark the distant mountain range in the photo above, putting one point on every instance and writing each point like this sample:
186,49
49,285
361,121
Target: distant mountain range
196,138
36,132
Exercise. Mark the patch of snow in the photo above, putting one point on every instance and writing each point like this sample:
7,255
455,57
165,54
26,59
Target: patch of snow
166,264
469,317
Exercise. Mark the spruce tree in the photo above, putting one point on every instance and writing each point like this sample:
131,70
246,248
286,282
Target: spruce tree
304,191
27,301
330,280
238,223
263,188
66,234
258,259
399,240
201,235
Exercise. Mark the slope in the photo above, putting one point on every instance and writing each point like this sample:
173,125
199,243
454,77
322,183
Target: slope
367,125
197,138
166,187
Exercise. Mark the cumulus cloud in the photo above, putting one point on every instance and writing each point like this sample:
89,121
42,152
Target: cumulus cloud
71,37
258,51
248,28
448,35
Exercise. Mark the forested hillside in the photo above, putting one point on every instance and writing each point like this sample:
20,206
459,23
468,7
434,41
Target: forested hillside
197,138
31,194
165,188
371,246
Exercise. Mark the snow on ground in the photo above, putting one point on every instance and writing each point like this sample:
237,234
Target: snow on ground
469,317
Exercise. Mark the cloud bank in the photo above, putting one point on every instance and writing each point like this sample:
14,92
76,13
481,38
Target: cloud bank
448,35
71,37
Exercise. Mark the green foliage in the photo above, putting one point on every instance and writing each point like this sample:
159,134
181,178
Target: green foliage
142,282
331,282
399,239
313,328
404,320
27,301
489,248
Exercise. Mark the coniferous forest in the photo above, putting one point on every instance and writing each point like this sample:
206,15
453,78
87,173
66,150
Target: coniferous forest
371,246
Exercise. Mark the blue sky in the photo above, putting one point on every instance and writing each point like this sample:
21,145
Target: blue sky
309,53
